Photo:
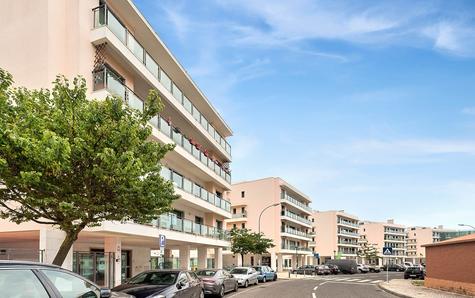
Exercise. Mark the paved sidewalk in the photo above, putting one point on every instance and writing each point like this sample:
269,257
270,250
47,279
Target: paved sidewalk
285,275
404,288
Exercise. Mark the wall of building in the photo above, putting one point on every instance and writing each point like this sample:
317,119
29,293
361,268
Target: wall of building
451,267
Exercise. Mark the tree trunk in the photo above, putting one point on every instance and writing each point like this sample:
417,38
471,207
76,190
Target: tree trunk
242,259
63,251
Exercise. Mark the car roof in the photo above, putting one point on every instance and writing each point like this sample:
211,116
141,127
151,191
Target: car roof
9,264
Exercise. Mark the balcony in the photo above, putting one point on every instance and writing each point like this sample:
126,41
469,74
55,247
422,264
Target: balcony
106,79
296,217
295,248
348,233
239,215
171,222
288,199
192,188
104,17
348,223
394,231
295,232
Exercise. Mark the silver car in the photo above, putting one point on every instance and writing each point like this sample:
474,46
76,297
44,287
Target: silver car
245,276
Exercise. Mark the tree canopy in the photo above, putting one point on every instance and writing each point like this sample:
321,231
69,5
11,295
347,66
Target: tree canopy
72,162
243,242
368,251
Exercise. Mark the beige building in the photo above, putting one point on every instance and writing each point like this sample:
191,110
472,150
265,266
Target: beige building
416,238
285,220
384,234
115,49
336,235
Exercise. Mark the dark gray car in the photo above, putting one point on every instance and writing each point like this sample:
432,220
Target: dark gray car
217,281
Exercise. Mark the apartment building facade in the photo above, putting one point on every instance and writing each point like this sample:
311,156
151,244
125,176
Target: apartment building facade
114,48
417,237
284,213
385,234
336,235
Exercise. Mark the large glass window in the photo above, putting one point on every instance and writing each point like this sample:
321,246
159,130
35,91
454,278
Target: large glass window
187,104
21,283
70,286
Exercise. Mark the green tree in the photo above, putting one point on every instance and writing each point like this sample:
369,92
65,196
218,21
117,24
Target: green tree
368,251
73,163
243,242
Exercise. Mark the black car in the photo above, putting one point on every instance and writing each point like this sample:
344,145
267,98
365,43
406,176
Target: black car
393,267
217,281
333,269
34,280
306,269
414,272
163,283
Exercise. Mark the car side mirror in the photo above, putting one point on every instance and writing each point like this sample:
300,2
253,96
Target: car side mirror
181,285
232,276
105,293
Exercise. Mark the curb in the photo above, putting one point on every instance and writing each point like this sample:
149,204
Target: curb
380,285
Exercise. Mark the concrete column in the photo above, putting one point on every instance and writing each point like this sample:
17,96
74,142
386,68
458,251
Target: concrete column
202,256
185,257
113,245
238,260
280,263
218,257
50,241
273,258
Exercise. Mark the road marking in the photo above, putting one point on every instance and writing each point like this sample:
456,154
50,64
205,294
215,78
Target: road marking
356,279
364,280
316,287
341,279
376,281
314,295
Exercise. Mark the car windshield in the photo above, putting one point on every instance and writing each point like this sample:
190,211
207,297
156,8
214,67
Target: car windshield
258,269
239,271
206,273
155,278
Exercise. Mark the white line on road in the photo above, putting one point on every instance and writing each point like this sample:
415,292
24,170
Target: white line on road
364,280
376,281
313,295
353,279
316,287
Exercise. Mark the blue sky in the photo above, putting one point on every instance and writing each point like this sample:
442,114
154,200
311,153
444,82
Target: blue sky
367,106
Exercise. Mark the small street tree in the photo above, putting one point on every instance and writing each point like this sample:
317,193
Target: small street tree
73,163
368,252
243,242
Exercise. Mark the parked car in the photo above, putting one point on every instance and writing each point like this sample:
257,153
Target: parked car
322,270
408,264
415,272
374,268
345,266
34,280
333,269
163,283
217,281
245,275
306,269
362,268
393,267
265,273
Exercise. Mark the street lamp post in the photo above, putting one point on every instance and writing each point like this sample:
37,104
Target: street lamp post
259,223
465,225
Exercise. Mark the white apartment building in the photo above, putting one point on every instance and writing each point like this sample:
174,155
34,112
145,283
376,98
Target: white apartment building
416,237
385,234
336,235
115,49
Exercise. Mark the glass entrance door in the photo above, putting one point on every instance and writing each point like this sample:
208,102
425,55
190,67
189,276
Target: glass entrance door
94,265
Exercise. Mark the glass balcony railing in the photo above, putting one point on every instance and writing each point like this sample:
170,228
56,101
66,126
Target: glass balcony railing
344,232
295,232
394,231
106,79
296,217
286,197
172,222
194,189
295,248
240,215
103,16
348,223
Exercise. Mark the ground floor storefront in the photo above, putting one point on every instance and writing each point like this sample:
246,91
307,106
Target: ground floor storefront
113,252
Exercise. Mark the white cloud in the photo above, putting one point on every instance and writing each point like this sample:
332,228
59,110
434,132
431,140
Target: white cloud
457,38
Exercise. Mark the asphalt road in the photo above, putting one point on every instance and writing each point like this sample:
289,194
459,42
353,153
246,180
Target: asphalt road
331,286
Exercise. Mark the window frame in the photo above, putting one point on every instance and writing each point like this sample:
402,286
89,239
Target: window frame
45,280
49,289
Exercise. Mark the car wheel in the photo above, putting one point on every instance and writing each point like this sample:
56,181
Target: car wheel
221,291
275,277
264,279
246,284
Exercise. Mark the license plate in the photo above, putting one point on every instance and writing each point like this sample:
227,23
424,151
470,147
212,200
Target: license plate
412,275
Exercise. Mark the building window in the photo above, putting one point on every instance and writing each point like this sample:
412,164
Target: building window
243,194
243,210
243,225
234,210
234,226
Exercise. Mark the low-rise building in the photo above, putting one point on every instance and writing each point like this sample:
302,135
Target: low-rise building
280,211
386,234
336,235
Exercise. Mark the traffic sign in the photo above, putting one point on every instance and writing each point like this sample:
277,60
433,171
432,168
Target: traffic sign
162,240
316,255
387,251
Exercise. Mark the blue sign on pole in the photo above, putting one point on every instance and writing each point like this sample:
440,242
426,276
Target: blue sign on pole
387,251
162,240
316,255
